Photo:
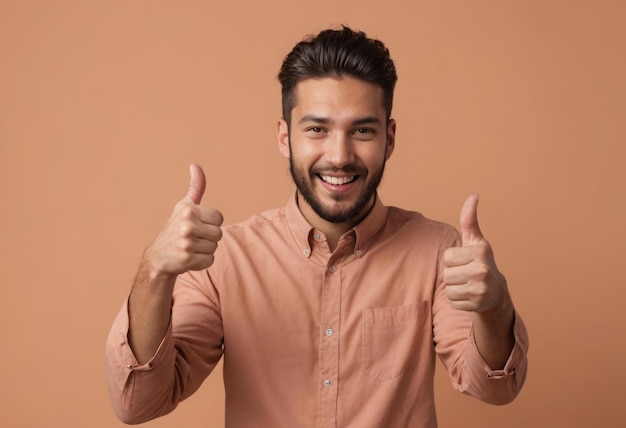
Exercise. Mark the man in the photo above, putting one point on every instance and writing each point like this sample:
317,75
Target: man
329,311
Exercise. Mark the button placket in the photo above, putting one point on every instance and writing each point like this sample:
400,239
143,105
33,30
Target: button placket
329,339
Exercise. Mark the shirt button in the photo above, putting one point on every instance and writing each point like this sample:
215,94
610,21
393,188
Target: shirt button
328,382
306,251
358,253
332,268
318,236
330,332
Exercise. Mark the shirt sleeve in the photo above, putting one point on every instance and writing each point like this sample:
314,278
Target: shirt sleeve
456,347
498,386
190,349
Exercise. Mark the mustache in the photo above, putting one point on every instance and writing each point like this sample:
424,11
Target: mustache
348,169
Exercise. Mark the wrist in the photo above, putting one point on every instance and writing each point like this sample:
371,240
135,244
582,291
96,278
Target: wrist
153,266
152,276
500,316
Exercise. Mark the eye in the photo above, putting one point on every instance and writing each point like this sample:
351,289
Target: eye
314,130
364,133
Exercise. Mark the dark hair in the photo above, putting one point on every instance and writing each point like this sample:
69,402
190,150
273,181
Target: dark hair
337,53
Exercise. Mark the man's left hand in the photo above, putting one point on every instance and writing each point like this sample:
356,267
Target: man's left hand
473,282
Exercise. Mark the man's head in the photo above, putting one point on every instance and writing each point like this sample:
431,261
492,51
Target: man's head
336,129
337,53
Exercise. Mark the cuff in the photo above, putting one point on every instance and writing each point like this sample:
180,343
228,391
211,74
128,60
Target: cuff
120,358
516,359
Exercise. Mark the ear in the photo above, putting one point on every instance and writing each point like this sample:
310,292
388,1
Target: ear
391,137
283,138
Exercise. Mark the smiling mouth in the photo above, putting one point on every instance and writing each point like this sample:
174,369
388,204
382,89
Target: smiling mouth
337,181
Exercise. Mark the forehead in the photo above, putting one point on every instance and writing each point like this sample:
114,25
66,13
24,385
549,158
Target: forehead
337,98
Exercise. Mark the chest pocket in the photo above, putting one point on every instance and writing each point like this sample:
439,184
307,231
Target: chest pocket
392,338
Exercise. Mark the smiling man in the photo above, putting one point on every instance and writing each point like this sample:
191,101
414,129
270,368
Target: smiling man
337,148
331,310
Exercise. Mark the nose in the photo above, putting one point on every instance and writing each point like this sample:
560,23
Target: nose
339,151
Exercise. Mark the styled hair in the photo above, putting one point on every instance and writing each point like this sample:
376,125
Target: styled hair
336,53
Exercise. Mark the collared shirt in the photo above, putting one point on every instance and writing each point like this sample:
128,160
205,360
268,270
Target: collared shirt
312,338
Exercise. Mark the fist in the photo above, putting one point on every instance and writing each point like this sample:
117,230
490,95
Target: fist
189,239
472,280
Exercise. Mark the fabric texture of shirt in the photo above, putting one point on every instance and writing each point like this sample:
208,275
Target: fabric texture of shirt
312,338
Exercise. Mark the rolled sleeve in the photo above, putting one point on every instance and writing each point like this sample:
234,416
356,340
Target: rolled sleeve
189,351
503,385
129,383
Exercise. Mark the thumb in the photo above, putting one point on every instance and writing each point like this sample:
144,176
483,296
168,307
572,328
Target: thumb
197,184
470,232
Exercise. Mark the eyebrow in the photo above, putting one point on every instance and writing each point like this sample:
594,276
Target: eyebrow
323,120
367,120
313,118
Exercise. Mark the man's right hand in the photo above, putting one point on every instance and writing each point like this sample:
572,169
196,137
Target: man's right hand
187,242
189,239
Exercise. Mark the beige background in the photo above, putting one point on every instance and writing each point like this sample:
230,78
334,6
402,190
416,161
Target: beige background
103,104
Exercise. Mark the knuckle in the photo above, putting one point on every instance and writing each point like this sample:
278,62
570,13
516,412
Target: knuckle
217,234
447,257
208,261
481,291
185,245
482,272
187,212
186,229
185,258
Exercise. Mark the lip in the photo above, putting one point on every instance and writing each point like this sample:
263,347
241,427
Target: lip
339,188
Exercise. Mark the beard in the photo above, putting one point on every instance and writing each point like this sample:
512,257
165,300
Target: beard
335,214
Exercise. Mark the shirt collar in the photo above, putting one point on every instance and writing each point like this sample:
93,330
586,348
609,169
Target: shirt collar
299,227
366,229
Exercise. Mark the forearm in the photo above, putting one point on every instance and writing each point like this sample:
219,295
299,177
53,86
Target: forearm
493,333
149,311
179,357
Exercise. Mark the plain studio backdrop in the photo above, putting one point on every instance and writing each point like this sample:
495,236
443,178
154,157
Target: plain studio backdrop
103,104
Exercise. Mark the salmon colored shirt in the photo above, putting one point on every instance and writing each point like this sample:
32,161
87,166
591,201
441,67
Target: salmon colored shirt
312,338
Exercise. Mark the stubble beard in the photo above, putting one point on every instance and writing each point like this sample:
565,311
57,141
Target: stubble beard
334,214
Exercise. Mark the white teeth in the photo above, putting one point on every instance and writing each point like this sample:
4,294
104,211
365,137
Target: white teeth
337,180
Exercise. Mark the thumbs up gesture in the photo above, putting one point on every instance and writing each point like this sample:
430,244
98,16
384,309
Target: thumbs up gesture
189,239
473,282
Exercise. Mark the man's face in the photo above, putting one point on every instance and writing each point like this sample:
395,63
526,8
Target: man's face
337,146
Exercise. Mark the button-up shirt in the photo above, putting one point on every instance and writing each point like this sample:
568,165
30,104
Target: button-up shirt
314,338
